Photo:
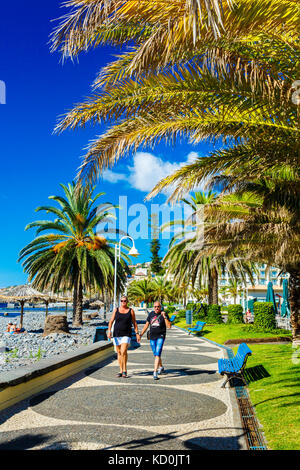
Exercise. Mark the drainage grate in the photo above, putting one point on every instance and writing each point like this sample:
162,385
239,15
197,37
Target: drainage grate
255,439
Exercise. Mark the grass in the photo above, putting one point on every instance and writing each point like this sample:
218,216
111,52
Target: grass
276,397
273,374
223,332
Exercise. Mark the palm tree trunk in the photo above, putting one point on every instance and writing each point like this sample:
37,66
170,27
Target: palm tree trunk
213,286
74,299
21,316
294,300
77,312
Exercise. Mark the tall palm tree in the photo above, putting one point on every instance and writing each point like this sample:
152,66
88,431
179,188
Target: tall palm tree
181,80
140,291
234,289
185,258
265,229
161,288
72,255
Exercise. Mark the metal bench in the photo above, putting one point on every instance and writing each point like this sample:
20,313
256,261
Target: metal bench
199,327
235,367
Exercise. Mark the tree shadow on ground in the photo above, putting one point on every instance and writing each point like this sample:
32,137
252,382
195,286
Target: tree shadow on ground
158,441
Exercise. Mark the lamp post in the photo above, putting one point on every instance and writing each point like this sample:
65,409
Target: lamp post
132,252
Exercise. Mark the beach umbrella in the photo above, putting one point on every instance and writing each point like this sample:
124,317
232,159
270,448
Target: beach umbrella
285,308
26,293
271,296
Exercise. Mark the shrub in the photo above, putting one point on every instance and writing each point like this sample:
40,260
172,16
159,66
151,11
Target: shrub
203,312
179,316
190,306
170,309
264,315
214,314
235,314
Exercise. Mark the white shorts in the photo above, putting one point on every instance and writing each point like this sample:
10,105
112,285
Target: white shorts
121,340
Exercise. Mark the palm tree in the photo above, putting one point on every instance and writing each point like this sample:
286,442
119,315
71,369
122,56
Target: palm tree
140,291
73,256
265,229
234,289
198,86
201,295
186,259
161,289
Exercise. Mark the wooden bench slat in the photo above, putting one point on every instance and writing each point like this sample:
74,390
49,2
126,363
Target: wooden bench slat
234,367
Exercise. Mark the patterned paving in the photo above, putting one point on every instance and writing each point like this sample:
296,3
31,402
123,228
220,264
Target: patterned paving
185,409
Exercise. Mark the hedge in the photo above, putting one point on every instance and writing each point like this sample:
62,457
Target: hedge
235,314
214,314
264,315
202,315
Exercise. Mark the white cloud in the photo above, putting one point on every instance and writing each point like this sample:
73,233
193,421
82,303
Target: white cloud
113,177
148,170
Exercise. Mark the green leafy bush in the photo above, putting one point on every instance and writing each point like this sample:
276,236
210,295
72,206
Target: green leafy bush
214,314
170,309
179,316
202,314
264,316
190,305
235,314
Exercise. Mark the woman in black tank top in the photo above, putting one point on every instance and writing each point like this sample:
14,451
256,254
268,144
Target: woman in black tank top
123,317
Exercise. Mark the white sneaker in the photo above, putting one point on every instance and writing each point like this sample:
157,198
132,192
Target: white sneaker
161,370
155,376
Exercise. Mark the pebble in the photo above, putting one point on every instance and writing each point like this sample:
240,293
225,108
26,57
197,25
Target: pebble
20,350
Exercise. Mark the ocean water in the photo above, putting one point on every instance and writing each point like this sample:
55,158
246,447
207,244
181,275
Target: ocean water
16,312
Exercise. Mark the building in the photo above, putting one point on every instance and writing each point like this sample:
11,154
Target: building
257,290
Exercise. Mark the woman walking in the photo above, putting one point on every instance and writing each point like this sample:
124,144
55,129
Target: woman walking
123,317
158,321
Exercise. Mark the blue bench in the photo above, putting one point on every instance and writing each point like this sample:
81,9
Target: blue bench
199,327
172,318
235,367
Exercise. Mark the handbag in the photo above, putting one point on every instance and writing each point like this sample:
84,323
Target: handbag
148,332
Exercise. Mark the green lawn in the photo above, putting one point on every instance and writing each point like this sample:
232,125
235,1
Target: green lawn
223,332
274,383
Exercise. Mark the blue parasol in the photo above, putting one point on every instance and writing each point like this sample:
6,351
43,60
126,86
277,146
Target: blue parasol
271,296
285,307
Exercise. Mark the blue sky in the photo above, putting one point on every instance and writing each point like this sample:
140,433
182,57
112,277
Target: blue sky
39,88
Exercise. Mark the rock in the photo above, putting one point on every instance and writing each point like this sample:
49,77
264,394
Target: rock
94,315
56,324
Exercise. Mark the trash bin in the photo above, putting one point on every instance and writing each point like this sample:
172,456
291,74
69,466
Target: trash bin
188,317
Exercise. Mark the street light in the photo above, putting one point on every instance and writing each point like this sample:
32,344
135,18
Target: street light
132,252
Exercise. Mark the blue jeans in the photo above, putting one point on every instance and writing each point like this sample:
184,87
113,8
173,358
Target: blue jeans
157,345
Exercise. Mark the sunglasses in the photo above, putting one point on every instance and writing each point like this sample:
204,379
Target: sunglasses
124,300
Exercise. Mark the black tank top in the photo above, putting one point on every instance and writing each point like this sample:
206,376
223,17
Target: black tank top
122,326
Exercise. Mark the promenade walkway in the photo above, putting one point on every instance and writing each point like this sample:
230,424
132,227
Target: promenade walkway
186,409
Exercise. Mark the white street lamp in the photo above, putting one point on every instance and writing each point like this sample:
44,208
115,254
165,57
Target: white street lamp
132,252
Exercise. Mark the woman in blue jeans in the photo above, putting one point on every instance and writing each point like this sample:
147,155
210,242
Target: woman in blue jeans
158,321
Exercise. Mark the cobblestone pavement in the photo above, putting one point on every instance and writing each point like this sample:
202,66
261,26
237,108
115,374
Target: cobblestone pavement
185,409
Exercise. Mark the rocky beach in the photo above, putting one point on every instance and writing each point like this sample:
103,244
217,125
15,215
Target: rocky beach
23,349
